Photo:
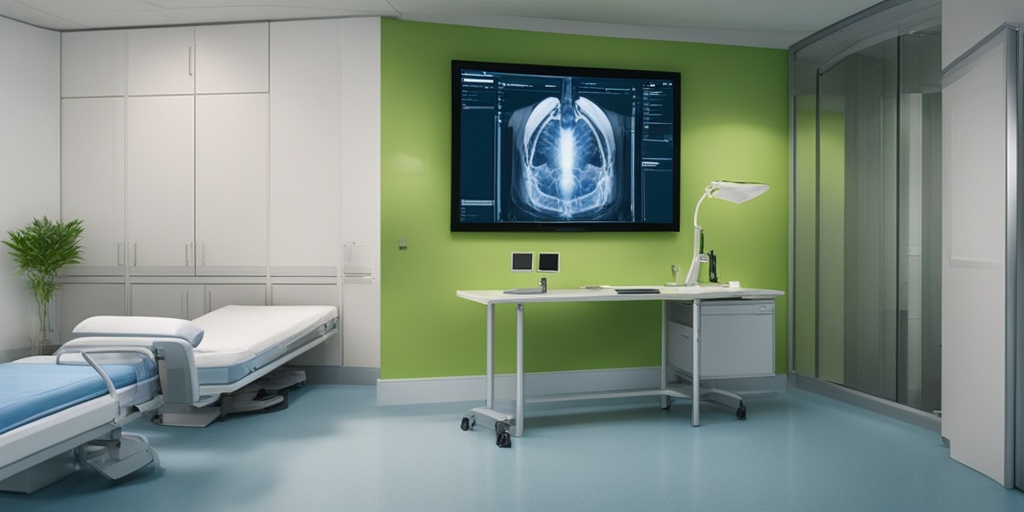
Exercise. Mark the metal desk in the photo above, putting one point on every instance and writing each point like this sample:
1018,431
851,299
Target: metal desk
508,425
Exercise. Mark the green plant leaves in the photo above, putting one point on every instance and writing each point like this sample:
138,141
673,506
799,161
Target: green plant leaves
41,249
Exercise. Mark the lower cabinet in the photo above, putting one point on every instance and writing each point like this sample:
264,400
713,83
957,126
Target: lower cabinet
190,301
737,338
78,301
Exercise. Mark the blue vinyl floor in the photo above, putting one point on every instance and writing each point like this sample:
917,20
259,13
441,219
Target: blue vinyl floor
334,449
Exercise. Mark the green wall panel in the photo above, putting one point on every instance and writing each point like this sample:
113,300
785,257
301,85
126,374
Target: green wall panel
734,126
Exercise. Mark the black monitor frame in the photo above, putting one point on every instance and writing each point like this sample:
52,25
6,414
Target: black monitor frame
637,103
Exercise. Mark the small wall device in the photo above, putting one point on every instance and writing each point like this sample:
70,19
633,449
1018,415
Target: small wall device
522,262
548,262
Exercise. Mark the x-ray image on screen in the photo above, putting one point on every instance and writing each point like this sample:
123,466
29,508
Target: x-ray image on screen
568,160
561,148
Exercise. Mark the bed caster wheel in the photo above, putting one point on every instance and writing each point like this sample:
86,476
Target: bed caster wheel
503,439
467,424
666,403
741,412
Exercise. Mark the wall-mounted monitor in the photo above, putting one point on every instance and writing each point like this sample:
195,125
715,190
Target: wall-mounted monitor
545,148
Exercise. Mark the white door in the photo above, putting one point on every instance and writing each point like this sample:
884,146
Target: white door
231,184
160,180
307,158
92,180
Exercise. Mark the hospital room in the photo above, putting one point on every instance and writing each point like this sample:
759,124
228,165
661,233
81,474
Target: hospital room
340,254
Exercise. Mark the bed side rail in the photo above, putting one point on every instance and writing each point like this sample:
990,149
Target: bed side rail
176,365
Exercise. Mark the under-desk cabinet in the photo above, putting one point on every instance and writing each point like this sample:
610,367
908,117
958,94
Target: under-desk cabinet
737,338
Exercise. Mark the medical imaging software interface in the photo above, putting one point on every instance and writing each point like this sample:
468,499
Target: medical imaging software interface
566,149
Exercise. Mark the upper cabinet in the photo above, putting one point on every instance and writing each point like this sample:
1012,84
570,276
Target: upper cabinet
92,63
232,58
206,59
161,61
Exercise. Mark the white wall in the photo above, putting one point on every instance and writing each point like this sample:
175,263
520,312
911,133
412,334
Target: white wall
966,22
29,160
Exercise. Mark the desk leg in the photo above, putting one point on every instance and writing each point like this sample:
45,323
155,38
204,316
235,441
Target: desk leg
696,363
490,356
666,402
517,429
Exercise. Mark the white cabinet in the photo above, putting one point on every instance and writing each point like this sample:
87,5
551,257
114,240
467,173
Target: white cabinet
232,58
160,183
307,158
190,301
203,59
92,63
737,338
92,180
78,301
231,184
161,61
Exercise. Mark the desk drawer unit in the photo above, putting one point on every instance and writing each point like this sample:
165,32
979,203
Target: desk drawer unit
737,338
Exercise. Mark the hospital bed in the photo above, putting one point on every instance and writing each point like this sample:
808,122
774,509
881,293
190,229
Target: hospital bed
239,358
60,412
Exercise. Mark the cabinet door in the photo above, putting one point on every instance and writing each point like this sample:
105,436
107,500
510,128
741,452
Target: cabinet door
220,295
306,134
78,301
92,180
328,353
160,180
167,300
161,61
232,58
231,184
92,63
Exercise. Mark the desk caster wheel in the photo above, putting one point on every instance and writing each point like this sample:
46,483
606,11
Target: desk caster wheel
666,403
741,412
503,439
467,424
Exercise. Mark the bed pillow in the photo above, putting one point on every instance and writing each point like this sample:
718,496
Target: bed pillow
140,326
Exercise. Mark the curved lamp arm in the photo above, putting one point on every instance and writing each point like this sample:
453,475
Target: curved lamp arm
732,191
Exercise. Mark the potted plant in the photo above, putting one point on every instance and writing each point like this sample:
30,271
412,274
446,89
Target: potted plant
40,250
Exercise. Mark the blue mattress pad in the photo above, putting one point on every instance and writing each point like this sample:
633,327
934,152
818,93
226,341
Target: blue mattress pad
32,391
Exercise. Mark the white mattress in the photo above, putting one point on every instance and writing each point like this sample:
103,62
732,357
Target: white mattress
240,339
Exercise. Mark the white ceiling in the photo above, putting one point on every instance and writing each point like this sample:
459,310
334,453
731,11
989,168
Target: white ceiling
774,23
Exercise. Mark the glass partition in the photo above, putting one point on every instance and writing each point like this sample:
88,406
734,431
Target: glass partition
866,205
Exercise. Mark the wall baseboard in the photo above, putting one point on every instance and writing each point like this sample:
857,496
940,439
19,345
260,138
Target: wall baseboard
339,374
474,387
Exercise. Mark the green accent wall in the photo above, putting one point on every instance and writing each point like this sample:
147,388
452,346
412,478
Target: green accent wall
734,106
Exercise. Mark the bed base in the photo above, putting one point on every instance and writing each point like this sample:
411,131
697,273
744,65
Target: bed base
105,449
267,394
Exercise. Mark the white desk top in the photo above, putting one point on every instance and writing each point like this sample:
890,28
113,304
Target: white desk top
609,294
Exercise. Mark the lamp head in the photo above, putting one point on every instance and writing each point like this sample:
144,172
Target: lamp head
735,191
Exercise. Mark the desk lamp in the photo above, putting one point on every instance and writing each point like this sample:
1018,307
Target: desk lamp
733,191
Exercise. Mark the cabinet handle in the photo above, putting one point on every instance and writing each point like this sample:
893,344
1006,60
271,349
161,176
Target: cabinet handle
202,245
120,255
186,254
191,60
135,253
